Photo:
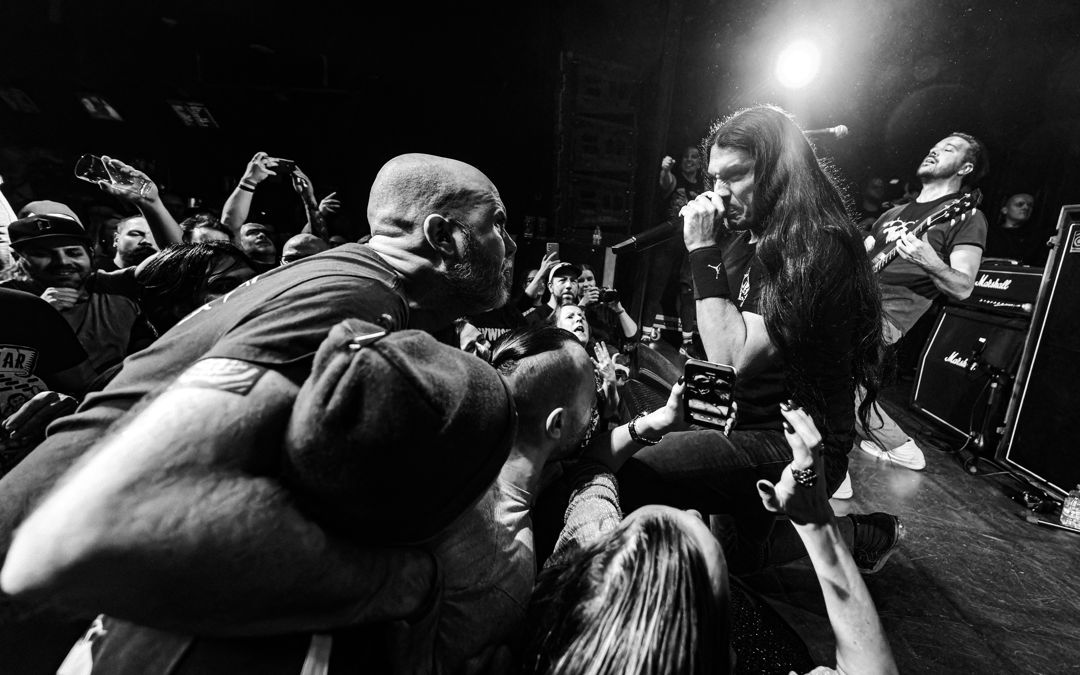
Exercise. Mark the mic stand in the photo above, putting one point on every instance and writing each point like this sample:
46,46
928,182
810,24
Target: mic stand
999,379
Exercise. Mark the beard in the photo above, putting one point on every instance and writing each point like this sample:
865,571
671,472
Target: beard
136,255
479,281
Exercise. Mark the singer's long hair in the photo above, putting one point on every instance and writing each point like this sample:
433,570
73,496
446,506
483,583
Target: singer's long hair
812,256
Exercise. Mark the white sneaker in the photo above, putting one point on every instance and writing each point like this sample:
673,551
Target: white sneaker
907,454
844,491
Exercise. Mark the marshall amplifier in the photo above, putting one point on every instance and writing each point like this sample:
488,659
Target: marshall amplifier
1005,288
953,383
1040,432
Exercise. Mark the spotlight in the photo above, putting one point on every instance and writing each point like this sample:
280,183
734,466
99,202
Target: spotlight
798,64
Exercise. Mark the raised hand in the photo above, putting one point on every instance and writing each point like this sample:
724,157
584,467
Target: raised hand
260,168
667,164
589,296
604,365
132,185
805,499
329,204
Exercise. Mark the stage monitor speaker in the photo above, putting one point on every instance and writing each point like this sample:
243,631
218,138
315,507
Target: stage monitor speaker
1041,439
953,383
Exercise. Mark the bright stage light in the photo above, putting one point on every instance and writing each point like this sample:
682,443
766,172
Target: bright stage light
798,64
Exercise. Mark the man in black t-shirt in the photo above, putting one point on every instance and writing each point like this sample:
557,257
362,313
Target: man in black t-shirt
438,251
787,301
942,262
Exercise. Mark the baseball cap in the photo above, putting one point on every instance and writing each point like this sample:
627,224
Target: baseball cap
46,230
44,207
394,435
561,269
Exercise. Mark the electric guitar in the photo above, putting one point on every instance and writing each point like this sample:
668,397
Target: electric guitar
954,212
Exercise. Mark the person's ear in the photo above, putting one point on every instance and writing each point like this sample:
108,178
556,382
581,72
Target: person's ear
439,233
967,168
553,425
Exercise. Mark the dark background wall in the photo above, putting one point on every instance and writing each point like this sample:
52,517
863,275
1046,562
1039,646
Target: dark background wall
341,90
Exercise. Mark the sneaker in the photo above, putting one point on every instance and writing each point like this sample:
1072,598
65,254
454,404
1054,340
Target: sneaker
844,491
907,454
876,538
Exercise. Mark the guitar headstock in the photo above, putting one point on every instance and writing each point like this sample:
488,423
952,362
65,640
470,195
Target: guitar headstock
968,202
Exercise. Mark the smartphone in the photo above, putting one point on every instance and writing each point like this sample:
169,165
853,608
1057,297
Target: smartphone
553,247
708,394
284,166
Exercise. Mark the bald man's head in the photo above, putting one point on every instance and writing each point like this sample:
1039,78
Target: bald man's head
300,247
410,187
444,218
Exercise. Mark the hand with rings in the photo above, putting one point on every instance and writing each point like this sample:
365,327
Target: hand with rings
800,493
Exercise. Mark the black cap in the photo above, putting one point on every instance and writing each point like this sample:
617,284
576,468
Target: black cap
575,270
46,230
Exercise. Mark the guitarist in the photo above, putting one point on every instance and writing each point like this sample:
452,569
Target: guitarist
942,262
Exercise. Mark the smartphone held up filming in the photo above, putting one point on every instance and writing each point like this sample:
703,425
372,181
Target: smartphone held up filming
708,394
553,247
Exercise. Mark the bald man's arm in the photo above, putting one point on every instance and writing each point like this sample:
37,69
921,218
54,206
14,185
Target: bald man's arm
175,521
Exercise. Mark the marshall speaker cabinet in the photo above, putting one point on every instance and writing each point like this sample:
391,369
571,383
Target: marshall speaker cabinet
955,384
1041,436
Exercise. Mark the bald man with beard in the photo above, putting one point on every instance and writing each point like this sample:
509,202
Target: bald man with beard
439,250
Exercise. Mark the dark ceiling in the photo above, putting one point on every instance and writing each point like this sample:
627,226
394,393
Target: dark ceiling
342,90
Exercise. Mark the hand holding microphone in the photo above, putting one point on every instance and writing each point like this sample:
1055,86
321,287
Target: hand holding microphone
703,219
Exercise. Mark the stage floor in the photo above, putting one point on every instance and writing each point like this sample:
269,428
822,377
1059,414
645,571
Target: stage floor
973,588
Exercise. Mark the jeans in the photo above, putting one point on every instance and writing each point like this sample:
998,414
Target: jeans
718,474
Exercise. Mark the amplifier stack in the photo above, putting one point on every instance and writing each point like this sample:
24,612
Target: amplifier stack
1040,437
971,358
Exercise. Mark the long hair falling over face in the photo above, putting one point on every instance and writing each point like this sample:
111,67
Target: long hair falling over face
638,601
811,253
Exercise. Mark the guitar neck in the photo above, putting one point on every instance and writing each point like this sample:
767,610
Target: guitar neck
888,254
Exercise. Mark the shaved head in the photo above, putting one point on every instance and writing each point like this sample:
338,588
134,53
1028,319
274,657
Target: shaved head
410,187
302,246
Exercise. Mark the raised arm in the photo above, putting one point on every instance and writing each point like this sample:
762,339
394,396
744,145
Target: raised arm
235,212
315,225
667,179
176,522
162,225
861,645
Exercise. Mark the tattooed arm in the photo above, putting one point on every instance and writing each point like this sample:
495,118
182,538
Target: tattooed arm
173,522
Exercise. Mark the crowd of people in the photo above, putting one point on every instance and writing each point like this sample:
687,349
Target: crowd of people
219,455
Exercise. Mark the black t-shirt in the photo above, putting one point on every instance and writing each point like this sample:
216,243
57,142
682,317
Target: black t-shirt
277,319
759,396
907,291
35,342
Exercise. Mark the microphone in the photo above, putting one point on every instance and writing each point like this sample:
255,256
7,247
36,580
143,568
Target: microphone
647,238
838,131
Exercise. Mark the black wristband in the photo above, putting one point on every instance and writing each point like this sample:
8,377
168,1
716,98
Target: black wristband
246,187
710,276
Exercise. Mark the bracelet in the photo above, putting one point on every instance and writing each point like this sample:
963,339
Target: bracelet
710,276
637,438
246,187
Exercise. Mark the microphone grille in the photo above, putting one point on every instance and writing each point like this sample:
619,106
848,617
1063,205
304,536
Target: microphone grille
841,130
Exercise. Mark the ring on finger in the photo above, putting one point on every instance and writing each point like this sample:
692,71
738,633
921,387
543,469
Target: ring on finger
805,477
